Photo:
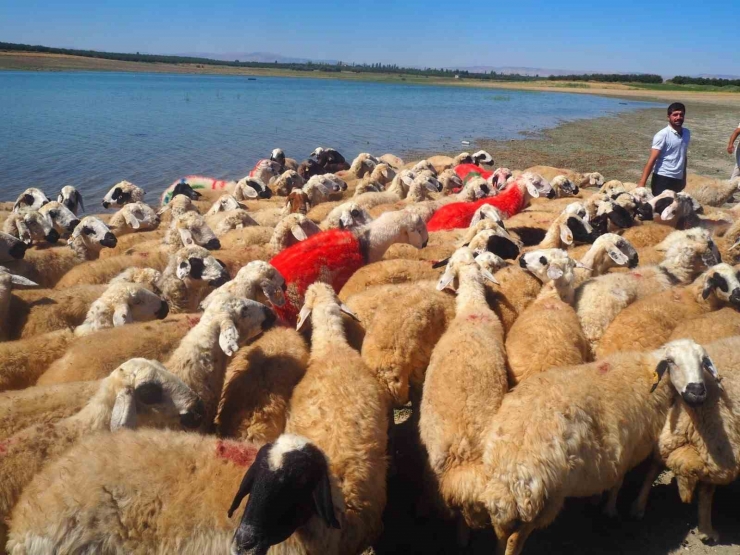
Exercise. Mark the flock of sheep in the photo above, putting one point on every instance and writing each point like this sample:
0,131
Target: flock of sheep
252,338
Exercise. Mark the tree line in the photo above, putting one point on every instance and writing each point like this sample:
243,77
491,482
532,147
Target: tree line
682,80
610,77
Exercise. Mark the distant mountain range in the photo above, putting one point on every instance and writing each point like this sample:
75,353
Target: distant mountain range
263,57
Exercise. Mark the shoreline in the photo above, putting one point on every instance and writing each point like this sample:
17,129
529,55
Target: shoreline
35,61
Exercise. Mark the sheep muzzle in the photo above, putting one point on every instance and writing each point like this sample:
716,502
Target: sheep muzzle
694,394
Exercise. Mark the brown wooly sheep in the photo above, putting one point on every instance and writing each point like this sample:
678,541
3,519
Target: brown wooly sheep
257,280
547,333
711,327
42,405
468,363
338,388
102,271
7,282
133,218
34,312
48,266
95,356
389,272
191,274
139,393
576,431
348,215
24,360
649,322
600,300
712,192
287,181
31,227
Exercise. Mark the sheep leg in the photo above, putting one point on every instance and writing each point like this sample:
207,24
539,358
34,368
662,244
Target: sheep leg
610,509
638,507
463,532
502,539
686,486
515,543
706,532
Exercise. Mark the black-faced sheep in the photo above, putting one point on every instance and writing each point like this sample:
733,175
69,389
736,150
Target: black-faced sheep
123,193
71,198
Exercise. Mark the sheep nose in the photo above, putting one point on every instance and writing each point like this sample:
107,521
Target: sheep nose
246,541
106,204
219,281
265,194
213,245
52,236
485,189
522,262
194,417
575,189
72,225
164,310
634,261
735,297
695,394
269,320
551,193
109,240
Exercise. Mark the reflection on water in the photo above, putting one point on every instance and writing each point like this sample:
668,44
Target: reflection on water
94,129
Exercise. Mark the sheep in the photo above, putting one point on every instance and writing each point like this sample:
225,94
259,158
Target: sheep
259,383
122,193
348,215
42,405
593,179
7,281
30,199
648,323
468,362
122,303
563,186
700,443
71,198
576,431
320,187
24,360
330,160
512,200
368,185
11,248
190,229
223,222
94,356
189,277
62,218
40,311
253,187
105,269
600,300
711,327
288,181
608,251
449,181
712,192
278,155
139,393
382,173
388,272
335,255
205,467
48,266
547,333
310,168
392,160
133,217
567,228
177,207
363,163
257,281
422,165
338,388
31,226
396,191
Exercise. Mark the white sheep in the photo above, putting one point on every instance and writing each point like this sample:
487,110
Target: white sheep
62,218
11,248
712,192
122,193
30,199
133,217
190,275
258,281
348,215
288,181
576,431
31,226
70,197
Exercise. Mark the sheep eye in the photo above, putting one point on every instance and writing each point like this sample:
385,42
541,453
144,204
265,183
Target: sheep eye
543,260
53,213
88,230
183,265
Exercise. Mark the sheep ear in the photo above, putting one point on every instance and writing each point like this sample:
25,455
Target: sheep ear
566,235
245,487
446,279
533,192
346,220
323,502
79,200
407,179
554,272
298,233
124,411
444,261
489,276
132,220
344,308
709,366
20,280
303,316
163,209
658,374
248,191
669,212
122,315
273,294
617,256
228,339
186,237
709,286
183,270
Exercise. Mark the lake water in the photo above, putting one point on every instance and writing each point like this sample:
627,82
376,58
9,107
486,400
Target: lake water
92,130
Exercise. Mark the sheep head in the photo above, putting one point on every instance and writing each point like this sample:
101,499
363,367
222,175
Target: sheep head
71,198
30,199
62,218
196,263
483,265
321,296
238,319
123,193
191,229
723,281
224,204
685,361
94,233
146,394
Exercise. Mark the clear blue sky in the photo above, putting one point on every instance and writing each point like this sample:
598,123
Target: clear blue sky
686,37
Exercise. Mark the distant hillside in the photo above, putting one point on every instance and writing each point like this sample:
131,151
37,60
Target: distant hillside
262,57
511,70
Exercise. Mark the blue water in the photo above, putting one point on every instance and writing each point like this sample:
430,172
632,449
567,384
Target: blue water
92,130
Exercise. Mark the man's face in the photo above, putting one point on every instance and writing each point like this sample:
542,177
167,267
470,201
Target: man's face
676,118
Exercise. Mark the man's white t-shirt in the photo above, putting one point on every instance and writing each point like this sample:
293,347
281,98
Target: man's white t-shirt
672,147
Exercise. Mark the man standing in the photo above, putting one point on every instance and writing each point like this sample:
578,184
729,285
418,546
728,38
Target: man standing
731,149
668,156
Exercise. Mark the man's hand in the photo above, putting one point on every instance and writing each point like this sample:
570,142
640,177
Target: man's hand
730,149
654,153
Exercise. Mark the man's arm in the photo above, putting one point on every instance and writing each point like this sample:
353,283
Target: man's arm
733,138
654,153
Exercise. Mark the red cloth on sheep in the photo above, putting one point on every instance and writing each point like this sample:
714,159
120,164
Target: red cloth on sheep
459,214
329,256
468,171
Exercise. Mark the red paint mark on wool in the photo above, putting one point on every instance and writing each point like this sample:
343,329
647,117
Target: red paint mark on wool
638,275
465,170
329,256
459,214
192,321
238,453
144,255
478,318
603,368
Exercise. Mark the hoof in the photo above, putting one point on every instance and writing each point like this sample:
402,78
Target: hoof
710,538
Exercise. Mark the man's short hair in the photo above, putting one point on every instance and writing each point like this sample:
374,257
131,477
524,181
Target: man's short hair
676,106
